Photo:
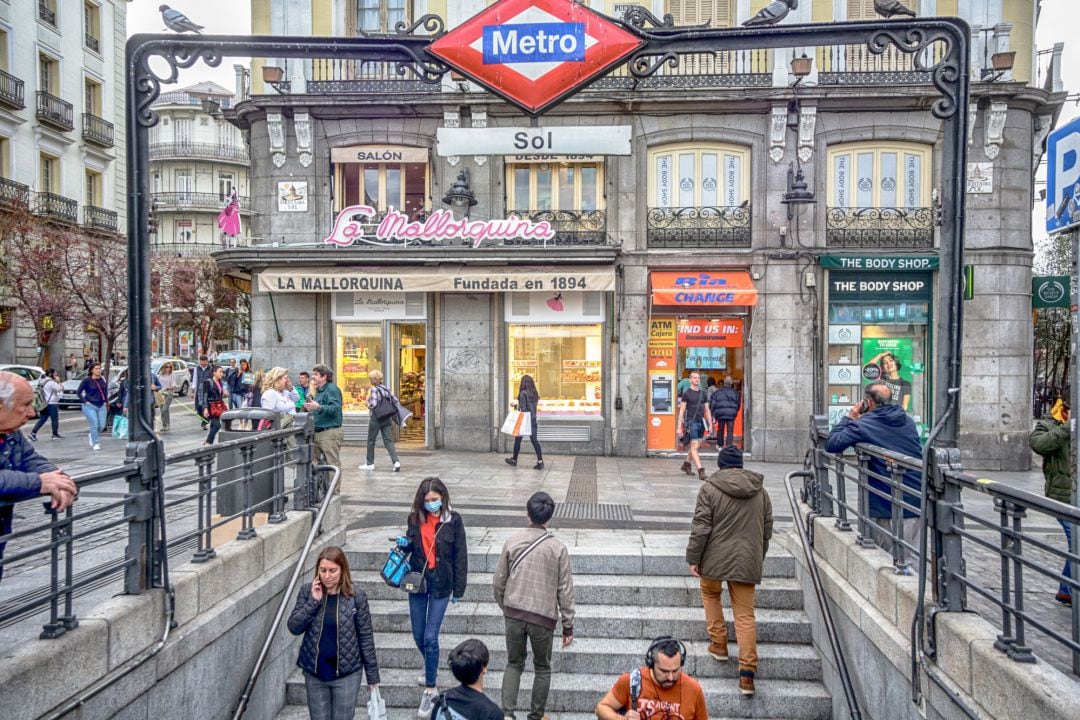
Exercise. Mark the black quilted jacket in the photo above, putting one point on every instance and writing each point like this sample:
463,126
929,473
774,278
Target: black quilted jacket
356,639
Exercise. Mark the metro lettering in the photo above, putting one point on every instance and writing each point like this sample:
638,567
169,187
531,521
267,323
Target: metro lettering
534,43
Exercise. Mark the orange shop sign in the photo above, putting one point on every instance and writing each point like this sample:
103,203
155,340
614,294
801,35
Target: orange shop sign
701,289
710,332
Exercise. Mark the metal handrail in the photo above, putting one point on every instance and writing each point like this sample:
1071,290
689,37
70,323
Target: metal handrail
819,593
287,596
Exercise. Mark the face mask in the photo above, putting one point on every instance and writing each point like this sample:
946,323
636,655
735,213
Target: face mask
433,507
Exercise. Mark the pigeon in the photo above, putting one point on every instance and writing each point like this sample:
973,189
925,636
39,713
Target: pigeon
889,8
772,13
178,21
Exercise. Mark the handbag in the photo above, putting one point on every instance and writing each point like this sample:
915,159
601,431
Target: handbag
395,568
120,427
216,408
517,423
384,408
414,582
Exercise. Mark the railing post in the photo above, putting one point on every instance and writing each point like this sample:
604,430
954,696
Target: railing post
303,497
899,552
945,543
277,505
247,529
865,537
205,550
1012,542
822,501
54,628
140,552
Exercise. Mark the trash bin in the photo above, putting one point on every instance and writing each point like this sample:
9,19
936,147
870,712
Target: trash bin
230,499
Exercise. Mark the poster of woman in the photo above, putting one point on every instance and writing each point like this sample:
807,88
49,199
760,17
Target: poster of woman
888,360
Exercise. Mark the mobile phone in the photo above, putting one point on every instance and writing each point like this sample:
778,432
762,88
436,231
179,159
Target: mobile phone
864,406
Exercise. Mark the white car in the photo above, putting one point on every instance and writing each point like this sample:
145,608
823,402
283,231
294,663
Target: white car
181,371
31,373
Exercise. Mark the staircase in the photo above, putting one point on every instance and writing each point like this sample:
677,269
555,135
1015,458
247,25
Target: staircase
627,593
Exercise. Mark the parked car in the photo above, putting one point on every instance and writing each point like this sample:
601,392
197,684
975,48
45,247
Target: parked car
31,373
223,358
69,398
181,370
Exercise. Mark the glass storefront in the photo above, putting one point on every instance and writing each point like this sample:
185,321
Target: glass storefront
359,351
564,360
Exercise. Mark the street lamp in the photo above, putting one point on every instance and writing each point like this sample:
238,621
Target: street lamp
460,196
798,192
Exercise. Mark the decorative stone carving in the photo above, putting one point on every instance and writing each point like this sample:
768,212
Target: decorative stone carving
452,119
995,129
275,127
807,123
302,123
479,120
1043,123
973,117
778,133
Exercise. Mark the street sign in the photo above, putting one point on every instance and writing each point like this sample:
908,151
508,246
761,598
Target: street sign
1050,291
535,53
557,140
1063,178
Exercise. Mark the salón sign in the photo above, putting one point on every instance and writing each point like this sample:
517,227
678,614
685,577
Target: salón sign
397,229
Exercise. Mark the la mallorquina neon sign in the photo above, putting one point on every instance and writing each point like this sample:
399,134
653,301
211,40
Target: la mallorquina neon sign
396,229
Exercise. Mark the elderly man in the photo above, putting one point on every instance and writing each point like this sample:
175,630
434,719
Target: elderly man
23,473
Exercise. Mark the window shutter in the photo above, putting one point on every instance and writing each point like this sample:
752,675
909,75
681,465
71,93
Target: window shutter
861,10
696,12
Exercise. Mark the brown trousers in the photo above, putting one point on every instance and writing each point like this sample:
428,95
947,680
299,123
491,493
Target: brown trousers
742,605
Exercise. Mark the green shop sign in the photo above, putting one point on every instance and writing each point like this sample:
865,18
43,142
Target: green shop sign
1050,291
881,263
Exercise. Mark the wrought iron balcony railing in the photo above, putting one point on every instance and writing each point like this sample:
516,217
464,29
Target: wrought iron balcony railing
97,130
14,194
92,42
171,201
729,68
699,227
46,13
206,151
572,227
54,111
100,219
879,227
11,91
56,207
342,75
190,249
856,65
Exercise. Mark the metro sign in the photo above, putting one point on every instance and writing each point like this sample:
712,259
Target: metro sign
535,53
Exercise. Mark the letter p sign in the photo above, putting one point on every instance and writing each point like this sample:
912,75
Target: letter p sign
1063,178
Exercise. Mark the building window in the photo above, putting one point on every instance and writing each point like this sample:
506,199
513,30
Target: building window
183,184
49,181
225,185
48,75
402,186
865,175
93,188
565,363
47,11
718,13
3,50
682,176
380,16
5,157
92,97
864,9
182,131
92,26
534,187
184,233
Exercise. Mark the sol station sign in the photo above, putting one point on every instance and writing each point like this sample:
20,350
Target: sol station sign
535,53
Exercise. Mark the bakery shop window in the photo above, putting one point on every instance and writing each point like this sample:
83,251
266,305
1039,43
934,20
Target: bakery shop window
565,362
359,351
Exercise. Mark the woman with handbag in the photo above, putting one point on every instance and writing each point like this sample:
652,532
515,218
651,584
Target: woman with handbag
439,561
527,400
382,413
94,393
333,616
212,396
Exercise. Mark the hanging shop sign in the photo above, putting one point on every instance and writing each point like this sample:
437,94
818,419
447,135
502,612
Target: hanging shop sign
438,279
702,289
379,154
915,287
710,332
1050,291
556,140
1063,178
396,229
535,53
881,263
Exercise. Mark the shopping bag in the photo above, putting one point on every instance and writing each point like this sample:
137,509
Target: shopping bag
120,427
395,567
376,706
517,423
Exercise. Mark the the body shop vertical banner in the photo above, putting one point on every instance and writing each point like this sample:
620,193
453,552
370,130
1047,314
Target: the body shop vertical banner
889,360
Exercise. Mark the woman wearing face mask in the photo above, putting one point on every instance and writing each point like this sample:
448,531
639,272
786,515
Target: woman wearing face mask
435,541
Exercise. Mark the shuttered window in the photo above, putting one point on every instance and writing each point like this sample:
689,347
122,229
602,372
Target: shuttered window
718,13
864,9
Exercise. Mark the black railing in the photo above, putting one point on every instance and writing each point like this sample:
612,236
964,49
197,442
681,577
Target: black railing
14,194
46,13
207,488
165,201
99,218
54,111
880,227
343,75
699,227
987,575
208,151
729,68
97,130
572,227
92,42
856,65
12,93
56,207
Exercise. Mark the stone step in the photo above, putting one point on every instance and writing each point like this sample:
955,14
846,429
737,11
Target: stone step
579,693
300,712
776,593
601,621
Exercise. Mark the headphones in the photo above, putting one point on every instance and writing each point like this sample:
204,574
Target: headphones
650,654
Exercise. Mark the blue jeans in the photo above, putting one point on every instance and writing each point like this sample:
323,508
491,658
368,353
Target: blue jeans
1067,572
426,615
95,417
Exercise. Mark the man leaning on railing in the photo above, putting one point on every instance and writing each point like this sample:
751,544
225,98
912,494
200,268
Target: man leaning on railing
23,473
1051,440
876,421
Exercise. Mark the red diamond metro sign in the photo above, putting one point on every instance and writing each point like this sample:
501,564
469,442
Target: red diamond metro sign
535,53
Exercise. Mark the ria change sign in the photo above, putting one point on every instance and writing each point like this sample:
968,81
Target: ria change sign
535,53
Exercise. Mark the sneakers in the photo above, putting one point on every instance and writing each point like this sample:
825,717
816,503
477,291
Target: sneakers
368,467
421,680
57,437
718,653
510,461
33,437
539,465
687,468
1064,598
427,703
746,682
97,447
397,467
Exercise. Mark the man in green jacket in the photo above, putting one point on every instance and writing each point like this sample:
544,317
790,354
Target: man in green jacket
1051,440
729,537
326,405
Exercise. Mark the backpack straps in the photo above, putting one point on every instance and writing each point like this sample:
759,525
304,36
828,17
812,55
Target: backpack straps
526,551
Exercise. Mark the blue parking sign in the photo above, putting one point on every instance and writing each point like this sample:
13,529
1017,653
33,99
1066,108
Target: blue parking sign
1063,178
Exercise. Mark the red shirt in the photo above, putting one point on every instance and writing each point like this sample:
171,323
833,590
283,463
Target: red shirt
684,701
427,538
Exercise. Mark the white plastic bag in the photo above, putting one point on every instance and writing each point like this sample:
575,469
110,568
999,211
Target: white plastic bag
376,706
517,423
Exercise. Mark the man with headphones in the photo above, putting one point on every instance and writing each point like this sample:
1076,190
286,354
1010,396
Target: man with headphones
658,691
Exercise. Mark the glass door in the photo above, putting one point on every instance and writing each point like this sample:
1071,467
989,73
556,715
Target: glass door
410,378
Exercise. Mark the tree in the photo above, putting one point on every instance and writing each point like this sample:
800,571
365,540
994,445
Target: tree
95,276
1052,329
198,297
31,274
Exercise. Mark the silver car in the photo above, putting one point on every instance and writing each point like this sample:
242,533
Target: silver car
31,373
181,370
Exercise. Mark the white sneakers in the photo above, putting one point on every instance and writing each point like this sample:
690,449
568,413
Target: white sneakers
97,447
427,703
397,467
93,445
368,467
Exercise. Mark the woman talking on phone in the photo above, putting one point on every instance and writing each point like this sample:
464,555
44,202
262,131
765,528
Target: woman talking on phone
435,541
333,616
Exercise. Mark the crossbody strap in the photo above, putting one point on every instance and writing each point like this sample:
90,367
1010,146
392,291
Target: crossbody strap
526,551
433,539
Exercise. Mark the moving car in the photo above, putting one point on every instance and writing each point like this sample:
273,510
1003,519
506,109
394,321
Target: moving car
31,373
69,398
223,358
181,370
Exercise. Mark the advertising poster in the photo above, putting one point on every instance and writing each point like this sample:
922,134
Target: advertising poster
890,361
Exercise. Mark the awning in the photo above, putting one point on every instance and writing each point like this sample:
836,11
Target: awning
445,278
703,289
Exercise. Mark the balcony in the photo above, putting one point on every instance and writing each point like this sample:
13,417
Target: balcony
14,195
181,201
856,65
54,111
729,68
880,227
341,75
572,227
11,91
56,207
699,227
46,13
96,218
92,42
200,151
97,130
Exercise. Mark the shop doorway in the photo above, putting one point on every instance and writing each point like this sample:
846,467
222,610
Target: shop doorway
410,378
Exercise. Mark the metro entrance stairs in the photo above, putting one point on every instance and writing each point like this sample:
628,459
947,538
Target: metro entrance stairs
630,587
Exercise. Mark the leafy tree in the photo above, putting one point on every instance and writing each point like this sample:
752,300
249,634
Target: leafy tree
94,274
1052,328
198,297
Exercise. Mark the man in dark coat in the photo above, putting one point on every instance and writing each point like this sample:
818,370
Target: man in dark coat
725,404
729,537
1051,440
203,372
876,421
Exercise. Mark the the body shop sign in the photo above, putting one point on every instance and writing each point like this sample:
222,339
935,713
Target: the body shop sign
355,224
